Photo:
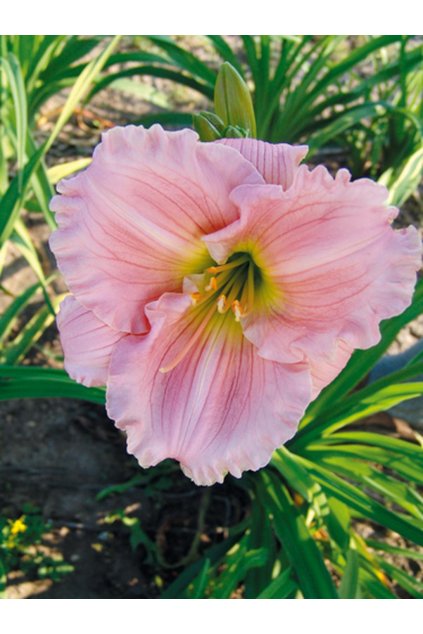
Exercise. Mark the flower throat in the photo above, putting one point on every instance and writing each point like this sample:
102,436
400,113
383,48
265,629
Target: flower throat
231,286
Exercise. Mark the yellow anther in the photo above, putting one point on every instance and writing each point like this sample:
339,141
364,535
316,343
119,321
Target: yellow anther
221,304
195,298
212,285
237,310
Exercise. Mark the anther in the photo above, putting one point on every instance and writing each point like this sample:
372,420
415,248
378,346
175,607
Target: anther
212,285
221,304
195,298
237,310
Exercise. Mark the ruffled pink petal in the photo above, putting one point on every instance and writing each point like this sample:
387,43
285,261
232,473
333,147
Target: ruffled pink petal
87,343
130,226
326,367
276,162
339,268
221,409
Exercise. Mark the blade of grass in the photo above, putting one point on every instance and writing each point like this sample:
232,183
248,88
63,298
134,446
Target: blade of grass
280,588
349,587
184,59
36,382
406,180
81,88
357,500
152,71
305,558
10,314
63,170
11,67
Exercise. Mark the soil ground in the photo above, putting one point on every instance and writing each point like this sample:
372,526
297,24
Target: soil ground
58,455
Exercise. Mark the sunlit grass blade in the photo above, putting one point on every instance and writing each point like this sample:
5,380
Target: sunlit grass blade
299,479
401,447
64,170
81,88
11,67
305,558
362,503
354,463
378,401
356,403
405,182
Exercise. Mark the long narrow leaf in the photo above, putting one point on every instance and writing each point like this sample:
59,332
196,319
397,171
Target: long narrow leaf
307,562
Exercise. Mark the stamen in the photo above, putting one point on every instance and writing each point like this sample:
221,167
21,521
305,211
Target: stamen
250,285
235,292
212,285
221,304
237,310
229,265
226,287
195,298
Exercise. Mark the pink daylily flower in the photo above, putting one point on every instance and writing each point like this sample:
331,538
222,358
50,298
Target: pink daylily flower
216,288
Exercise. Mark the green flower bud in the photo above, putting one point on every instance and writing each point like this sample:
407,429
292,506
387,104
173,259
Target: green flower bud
208,125
235,132
232,100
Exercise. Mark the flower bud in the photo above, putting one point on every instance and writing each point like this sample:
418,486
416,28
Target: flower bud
235,132
208,125
232,100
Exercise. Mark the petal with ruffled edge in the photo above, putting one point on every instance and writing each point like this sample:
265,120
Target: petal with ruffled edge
335,265
276,162
222,408
130,225
87,343
326,367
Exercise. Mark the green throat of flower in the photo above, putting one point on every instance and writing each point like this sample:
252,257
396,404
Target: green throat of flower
232,286
226,293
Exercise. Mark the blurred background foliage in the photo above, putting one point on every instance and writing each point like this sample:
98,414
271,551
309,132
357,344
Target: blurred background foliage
357,103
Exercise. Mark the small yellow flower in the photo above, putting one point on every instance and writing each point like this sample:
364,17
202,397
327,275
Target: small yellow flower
18,526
